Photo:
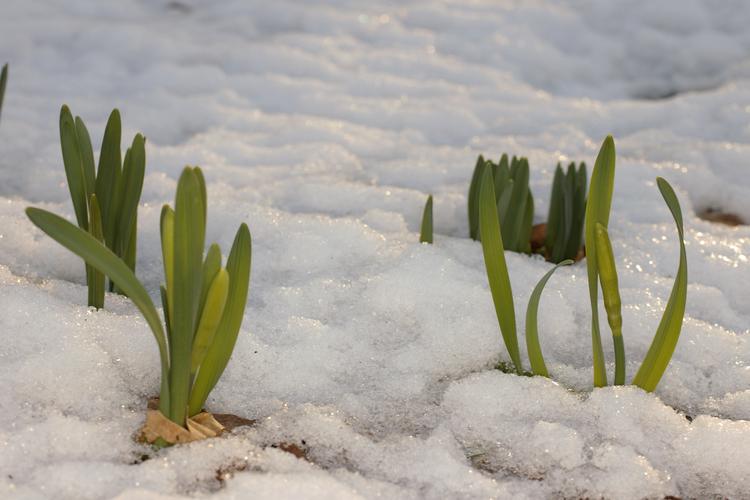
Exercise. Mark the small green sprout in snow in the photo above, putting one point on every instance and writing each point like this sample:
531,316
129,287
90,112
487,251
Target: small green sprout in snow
3,83
105,199
425,234
203,301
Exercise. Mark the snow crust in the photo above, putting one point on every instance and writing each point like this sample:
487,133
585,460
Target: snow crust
324,126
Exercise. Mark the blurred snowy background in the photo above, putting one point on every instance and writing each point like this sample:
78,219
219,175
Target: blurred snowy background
324,125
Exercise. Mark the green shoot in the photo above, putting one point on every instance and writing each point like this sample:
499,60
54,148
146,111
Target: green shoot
425,234
668,332
597,211
203,303
538,367
513,201
566,213
497,269
476,179
605,261
3,83
115,185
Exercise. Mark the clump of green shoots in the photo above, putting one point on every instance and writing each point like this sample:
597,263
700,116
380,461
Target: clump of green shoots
513,200
566,213
3,83
203,301
105,199
601,271
425,233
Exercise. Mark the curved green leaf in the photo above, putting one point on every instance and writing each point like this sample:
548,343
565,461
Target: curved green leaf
538,367
97,255
668,332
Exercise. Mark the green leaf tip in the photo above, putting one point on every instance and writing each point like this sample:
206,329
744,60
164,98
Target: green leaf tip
425,234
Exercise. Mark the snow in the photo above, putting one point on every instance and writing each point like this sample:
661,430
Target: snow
324,126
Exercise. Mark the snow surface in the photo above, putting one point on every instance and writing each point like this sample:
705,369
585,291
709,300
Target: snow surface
324,126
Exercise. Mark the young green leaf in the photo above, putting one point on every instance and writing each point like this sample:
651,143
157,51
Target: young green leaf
166,224
73,167
108,176
538,367
95,278
3,83
597,211
668,332
497,270
217,357
527,223
502,176
473,208
97,255
512,221
611,295
189,234
130,187
211,314
425,235
211,267
554,217
87,156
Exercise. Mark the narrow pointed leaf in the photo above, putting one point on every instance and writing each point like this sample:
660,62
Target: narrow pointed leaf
211,267
538,367
189,234
166,225
73,167
473,201
597,211
497,269
524,239
3,83
130,187
108,176
554,217
425,234
87,156
668,332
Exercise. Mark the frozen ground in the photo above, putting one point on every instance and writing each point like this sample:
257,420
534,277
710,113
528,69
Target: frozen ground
324,126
